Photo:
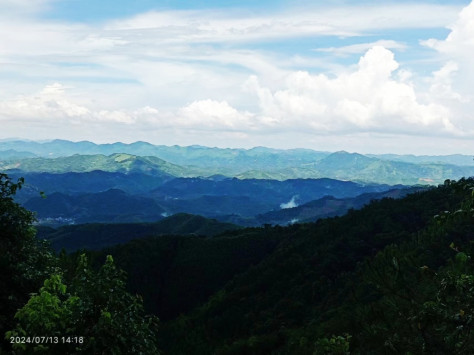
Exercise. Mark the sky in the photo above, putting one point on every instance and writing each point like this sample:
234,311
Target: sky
365,76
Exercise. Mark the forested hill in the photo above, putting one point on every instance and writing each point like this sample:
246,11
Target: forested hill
395,277
392,277
94,236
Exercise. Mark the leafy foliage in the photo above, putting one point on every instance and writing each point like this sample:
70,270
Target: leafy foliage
24,262
95,308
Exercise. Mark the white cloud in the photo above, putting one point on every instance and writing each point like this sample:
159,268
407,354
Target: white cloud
452,83
211,26
370,98
49,103
204,71
461,36
53,106
362,47
209,114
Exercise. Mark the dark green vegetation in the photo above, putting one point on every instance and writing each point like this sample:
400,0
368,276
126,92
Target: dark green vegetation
77,310
177,273
393,277
24,263
96,236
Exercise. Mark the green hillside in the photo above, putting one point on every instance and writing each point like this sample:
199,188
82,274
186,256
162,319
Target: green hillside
357,167
256,163
120,162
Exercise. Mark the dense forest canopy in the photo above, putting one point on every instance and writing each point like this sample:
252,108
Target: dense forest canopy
393,277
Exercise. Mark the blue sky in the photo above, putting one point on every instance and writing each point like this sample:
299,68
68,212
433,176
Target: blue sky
361,76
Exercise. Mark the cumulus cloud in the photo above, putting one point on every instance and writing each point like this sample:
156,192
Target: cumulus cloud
53,105
48,103
210,114
452,83
371,98
461,36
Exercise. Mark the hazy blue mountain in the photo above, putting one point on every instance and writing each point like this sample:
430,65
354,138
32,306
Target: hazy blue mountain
108,206
240,201
215,160
118,197
88,182
456,159
11,154
252,196
256,163
328,206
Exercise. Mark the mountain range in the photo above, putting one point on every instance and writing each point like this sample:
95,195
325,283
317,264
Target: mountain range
140,182
259,163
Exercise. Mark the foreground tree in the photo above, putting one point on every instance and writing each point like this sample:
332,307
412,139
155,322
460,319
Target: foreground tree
24,261
85,312
94,314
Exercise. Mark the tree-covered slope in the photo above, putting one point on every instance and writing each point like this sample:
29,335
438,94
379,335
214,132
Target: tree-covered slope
95,236
358,167
108,206
119,162
99,196
177,273
308,288
328,206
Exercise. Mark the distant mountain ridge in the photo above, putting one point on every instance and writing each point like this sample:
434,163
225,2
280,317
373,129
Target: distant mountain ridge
108,206
186,154
328,206
118,197
60,156
117,162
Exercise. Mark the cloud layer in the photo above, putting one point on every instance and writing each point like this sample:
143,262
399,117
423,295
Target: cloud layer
219,74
